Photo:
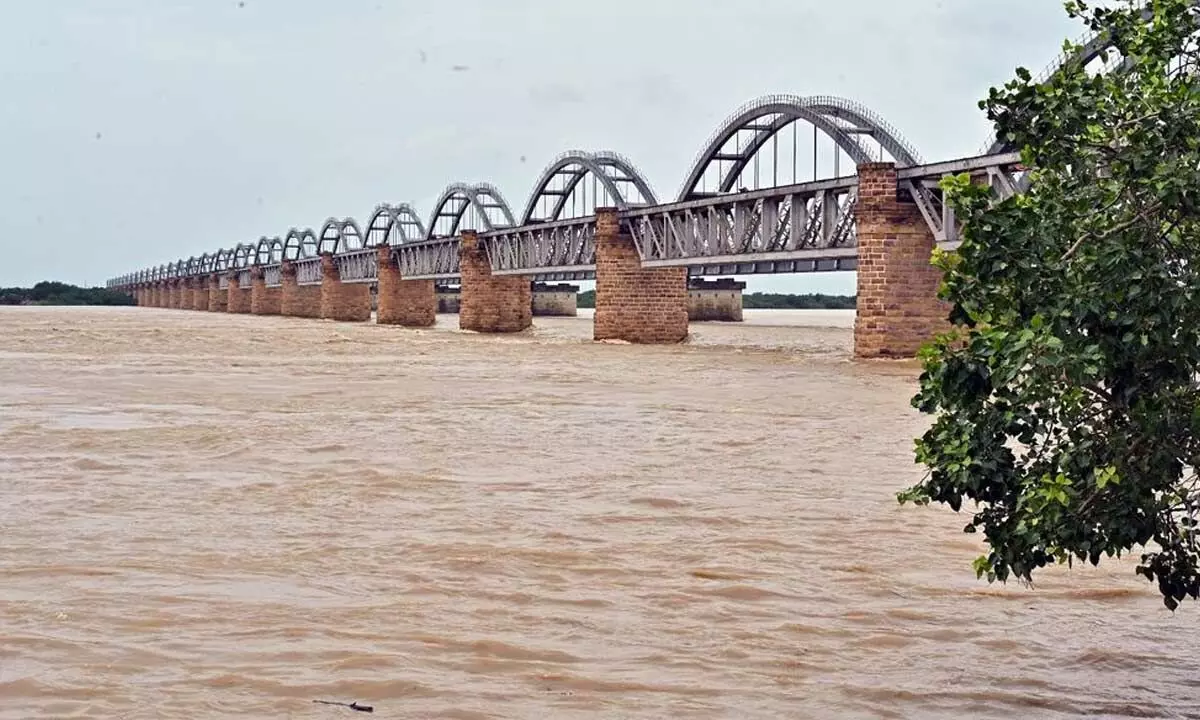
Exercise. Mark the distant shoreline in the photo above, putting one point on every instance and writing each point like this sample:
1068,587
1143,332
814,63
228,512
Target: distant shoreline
766,301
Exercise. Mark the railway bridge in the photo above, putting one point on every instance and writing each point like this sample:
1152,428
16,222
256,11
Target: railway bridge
747,205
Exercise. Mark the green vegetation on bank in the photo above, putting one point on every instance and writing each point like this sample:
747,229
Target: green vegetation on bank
1065,401
56,293
765,301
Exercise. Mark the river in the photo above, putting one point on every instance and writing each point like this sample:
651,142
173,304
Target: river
231,516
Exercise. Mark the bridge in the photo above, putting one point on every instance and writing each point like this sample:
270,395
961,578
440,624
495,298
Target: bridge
742,209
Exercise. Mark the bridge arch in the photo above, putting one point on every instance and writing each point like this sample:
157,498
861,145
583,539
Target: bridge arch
224,260
207,263
300,244
623,185
338,236
485,204
394,225
269,251
844,121
243,256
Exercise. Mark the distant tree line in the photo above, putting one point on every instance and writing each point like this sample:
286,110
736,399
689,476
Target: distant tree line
56,293
765,301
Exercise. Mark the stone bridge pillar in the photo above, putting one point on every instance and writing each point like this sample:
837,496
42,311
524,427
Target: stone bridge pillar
160,294
640,305
218,299
898,309
297,300
172,294
238,298
349,302
200,292
412,303
263,300
490,304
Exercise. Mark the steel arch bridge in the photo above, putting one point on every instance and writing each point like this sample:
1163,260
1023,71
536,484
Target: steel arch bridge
738,223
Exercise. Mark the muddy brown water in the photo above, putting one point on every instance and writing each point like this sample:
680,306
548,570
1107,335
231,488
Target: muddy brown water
207,515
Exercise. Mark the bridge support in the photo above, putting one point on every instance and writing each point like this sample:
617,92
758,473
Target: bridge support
898,309
636,304
715,299
449,298
199,293
218,299
263,300
342,301
555,300
296,300
490,303
412,303
238,299
173,294
160,294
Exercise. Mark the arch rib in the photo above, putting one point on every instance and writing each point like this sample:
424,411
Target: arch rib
827,113
390,221
457,198
610,169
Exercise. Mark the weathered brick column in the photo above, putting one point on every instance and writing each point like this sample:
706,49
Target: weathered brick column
640,305
898,309
218,299
158,293
238,298
172,294
263,300
297,300
490,304
342,301
412,303
200,292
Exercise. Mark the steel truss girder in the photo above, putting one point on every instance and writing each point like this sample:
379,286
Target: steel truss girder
308,271
1003,174
567,246
273,275
358,266
797,222
430,260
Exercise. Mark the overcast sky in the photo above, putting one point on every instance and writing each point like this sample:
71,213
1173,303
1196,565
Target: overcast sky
136,132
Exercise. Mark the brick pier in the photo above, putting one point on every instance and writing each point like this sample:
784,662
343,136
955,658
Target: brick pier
297,300
898,309
640,305
490,304
239,297
412,303
218,299
339,300
263,300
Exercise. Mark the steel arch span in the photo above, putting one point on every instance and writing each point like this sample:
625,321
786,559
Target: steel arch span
394,225
622,181
269,251
300,244
339,236
842,120
486,202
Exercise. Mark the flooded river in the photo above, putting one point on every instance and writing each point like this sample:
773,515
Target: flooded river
230,516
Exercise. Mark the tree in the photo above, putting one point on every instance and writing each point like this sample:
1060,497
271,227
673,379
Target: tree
1065,398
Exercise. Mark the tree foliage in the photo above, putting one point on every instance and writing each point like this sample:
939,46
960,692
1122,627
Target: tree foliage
1067,411
57,293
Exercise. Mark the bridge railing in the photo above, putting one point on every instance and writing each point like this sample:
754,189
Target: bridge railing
244,278
273,275
223,281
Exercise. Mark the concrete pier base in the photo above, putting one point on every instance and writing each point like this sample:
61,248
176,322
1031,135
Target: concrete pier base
555,300
715,299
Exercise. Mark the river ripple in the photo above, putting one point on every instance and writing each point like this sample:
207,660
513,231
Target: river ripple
206,515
